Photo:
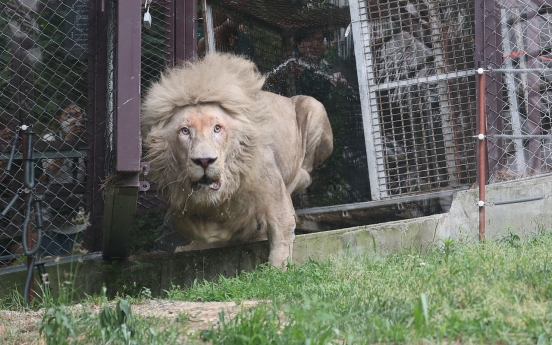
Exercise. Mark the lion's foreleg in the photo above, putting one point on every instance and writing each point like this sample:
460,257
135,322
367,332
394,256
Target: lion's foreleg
281,230
281,246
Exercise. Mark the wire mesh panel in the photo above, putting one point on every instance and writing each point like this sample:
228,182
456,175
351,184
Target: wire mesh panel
157,43
518,98
416,62
158,52
304,47
46,85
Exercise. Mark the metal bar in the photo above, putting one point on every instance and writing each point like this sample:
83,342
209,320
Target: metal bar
40,155
209,30
481,166
512,95
27,241
444,102
183,28
169,33
190,29
520,46
368,99
522,136
127,67
28,290
379,203
518,70
479,30
96,128
488,38
179,31
419,80
516,201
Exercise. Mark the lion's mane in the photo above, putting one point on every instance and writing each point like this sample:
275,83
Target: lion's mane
229,81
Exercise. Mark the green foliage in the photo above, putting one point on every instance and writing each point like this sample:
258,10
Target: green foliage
267,324
466,292
57,327
512,238
421,312
116,323
112,325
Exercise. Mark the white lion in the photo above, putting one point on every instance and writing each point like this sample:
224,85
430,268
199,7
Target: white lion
229,156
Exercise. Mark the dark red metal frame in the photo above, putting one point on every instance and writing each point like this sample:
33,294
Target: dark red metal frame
97,110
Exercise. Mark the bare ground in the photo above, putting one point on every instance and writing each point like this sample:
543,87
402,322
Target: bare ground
23,327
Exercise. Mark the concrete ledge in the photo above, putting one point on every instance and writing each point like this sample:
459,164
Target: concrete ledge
522,206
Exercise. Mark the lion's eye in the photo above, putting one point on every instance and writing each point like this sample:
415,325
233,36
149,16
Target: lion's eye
217,128
185,131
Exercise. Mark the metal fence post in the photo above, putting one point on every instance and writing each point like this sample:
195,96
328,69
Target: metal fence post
482,148
122,193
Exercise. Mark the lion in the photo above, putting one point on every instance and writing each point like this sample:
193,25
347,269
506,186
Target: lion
229,156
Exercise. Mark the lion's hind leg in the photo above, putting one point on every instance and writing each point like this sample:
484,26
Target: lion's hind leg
316,131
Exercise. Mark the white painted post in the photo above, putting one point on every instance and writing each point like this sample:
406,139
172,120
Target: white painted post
512,94
368,99
208,27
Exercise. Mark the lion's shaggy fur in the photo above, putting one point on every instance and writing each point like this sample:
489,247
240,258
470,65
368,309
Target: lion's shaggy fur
231,82
228,156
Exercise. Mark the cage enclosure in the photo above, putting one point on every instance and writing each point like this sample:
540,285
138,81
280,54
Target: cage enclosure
397,81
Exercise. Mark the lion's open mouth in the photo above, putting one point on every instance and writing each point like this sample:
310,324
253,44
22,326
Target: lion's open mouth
206,182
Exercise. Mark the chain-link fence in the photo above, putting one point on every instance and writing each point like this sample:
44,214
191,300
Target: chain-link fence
158,52
48,118
518,99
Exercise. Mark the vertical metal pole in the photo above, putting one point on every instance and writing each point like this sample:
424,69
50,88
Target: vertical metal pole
29,290
186,30
373,135
208,28
97,103
482,157
512,94
121,197
127,84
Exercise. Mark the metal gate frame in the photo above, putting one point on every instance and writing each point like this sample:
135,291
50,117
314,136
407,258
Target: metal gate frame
369,101
121,196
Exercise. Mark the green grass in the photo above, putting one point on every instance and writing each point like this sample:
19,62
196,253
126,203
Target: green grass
498,292
112,325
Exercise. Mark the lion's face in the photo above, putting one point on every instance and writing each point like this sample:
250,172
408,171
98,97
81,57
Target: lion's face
200,139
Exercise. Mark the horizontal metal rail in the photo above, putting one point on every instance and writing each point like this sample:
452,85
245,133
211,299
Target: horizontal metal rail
516,201
524,136
519,70
42,155
379,203
53,262
422,80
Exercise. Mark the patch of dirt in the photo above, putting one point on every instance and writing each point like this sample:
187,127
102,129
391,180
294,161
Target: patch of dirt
23,327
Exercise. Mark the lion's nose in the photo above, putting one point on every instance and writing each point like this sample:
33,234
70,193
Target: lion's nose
204,162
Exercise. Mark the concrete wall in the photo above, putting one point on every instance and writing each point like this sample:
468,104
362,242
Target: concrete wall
527,209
